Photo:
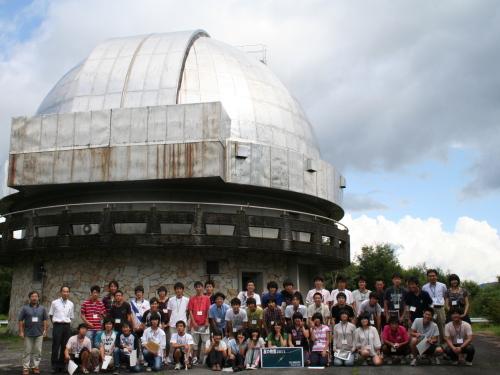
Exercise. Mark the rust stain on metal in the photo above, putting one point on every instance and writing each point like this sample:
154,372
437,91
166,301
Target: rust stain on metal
189,159
12,169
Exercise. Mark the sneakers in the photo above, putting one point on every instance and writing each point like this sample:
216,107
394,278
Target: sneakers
194,362
454,363
177,366
437,361
116,371
96,370
403,360
414,362
149,369
468,363
389,361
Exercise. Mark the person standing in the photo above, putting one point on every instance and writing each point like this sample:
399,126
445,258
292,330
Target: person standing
437,291
92,312
121,312
32,328
62,310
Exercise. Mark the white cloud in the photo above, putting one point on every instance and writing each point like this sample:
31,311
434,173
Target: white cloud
471,251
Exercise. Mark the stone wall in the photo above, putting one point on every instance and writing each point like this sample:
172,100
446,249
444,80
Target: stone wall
150,268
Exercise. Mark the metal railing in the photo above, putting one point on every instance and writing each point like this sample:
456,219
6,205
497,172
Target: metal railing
154,203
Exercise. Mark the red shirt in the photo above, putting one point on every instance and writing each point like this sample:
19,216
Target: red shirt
401,335
92,312
199,304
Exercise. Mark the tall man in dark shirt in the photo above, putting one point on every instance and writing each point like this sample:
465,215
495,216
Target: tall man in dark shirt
121,312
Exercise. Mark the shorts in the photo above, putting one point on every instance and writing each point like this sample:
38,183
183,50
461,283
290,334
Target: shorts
431,349
78,360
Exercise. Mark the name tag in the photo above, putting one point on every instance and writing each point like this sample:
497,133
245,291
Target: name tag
138,314
382,310
218,320
235,330
125,350
435,316
95,316
393,349
254,321
34,319
372,322
396,305
460,341
77,355
118,320
165,311
344,342
199,313
297,342
453,303
272,322
413,308
435,300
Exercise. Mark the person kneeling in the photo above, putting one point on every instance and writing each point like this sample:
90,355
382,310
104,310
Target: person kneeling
80,347
216,351
126,343
425,329
236,351
459,338
396,341
368,341
154,343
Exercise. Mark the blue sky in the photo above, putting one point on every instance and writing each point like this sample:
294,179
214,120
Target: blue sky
403,96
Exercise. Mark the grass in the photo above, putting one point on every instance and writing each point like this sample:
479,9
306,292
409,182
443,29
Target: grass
493,328
9,337
12,347
4,317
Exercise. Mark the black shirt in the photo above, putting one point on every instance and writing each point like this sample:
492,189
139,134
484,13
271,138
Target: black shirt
420,302
335,313
121,313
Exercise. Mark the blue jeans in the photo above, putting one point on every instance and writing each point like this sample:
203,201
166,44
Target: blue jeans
92,335
120,357
152,360
341,362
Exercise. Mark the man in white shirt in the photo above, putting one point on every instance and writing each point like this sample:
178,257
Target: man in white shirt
341,283
61,312
177,308
154,336
182,343
437,290
325,294
295,307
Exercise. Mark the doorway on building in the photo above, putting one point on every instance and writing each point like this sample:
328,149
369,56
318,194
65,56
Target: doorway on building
257,275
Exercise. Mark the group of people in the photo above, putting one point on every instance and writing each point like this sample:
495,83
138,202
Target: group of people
331,327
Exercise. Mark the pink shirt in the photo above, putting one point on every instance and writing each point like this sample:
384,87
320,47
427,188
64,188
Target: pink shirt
401,335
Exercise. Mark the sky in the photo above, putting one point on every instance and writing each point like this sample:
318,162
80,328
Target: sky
403,95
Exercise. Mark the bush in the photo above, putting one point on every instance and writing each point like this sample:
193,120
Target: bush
493,311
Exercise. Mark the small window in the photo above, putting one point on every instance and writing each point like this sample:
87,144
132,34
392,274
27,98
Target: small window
212,267
38,271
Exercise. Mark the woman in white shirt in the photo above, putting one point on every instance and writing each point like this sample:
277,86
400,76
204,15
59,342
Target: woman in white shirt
368,341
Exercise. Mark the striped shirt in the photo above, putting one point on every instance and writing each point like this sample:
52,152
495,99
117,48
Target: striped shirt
92,312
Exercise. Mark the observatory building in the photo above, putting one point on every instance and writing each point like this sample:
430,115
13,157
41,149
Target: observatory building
163,158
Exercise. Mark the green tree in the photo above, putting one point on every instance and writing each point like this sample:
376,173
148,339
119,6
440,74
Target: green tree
378,261
351,272
472,287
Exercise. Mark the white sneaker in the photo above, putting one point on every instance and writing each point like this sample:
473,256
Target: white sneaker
177,366
454,363
468,363
149,369
414,363
437,361
194,362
